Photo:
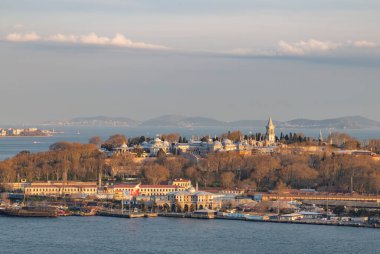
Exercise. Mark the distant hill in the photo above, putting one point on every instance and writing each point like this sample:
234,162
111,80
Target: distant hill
349,122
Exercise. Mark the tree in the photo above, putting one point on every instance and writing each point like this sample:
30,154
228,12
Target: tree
95,141
339,210
115,141
156,174
161,154
234,135
227,179
172,137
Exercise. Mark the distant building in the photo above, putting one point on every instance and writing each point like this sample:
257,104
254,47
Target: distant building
3,132
197,147
14,132
121,149
154,146
190,200
182,183
270,135
145,190
31,129
59,188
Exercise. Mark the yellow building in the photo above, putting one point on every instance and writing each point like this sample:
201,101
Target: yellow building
145,190
189,200
16,186
59,188
182,183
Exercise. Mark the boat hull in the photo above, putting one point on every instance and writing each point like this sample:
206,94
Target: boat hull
21,212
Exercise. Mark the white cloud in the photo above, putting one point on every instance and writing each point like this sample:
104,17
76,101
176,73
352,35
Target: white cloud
62,38
364,44
93,38
119,40
306,47
18,37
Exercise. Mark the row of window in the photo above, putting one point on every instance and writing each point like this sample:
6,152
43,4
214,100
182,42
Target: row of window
58,189
148,190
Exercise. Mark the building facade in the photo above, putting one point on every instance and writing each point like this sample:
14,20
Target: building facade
188,200
59,188
270,132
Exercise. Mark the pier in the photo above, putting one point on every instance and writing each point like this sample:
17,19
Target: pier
120,214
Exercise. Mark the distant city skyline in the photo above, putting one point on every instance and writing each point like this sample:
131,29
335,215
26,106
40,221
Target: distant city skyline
228,60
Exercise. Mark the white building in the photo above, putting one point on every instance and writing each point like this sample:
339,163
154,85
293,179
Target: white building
3,132
155,145
270,135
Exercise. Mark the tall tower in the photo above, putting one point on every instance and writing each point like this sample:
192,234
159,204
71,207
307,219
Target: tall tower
270,135
320,136
320,139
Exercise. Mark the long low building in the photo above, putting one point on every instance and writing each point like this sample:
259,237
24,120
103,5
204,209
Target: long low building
59,188
55,188
145,190
318,196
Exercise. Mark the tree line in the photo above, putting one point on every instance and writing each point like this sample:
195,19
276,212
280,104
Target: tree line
322,171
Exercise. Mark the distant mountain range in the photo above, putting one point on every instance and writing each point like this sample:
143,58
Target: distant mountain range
349,122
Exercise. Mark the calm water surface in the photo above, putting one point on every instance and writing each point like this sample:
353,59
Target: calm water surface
169,235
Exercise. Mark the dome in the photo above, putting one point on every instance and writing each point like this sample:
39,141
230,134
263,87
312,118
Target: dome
124,146
226,142
217,143
191,190
157,140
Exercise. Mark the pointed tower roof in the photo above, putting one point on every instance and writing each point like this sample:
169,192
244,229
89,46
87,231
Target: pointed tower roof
270,122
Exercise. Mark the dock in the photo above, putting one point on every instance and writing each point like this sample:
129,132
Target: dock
120,214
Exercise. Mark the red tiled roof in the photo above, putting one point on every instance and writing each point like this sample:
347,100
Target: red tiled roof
144,186
64,186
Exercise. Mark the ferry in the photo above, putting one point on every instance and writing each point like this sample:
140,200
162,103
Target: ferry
30,211
204,214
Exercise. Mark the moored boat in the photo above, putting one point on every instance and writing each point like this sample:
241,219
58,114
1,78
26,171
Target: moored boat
204,214
150,215
30,211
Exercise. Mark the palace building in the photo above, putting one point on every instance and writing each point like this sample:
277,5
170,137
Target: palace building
59,188
182,183
145,190
189,200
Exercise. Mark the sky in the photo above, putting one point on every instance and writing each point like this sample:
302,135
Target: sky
225,59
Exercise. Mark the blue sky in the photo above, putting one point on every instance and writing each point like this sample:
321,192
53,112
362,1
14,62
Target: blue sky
225,59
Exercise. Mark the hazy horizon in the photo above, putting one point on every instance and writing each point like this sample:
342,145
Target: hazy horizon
228,60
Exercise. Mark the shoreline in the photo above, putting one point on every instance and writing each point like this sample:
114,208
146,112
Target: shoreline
47,136
319,223
186,216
